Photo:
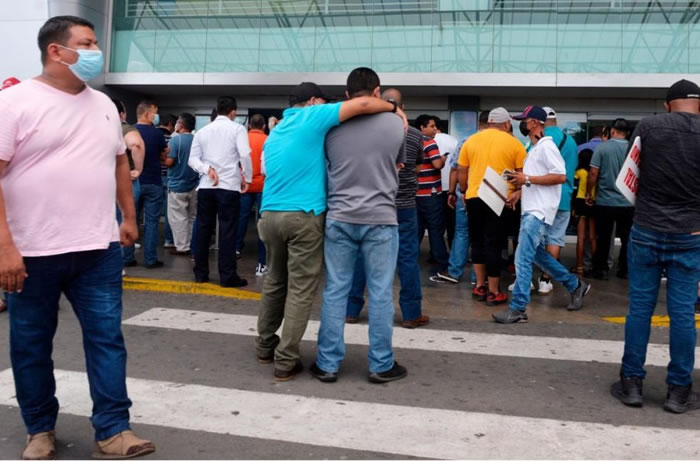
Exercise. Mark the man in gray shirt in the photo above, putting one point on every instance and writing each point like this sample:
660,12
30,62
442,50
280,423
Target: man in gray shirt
363,159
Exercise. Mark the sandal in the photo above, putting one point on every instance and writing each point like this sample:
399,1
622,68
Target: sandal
123,445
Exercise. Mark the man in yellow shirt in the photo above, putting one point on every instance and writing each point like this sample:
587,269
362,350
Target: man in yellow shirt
497,148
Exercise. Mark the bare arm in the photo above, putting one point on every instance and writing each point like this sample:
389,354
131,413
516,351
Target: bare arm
134,142
519,178
368,105
169,162
12,269
128,232
592,181
438,163
462,175
452,197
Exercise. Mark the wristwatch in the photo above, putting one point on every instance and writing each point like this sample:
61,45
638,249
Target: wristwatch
452,193
527,181
396,106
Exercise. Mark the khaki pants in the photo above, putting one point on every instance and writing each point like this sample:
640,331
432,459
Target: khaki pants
294,243
182,209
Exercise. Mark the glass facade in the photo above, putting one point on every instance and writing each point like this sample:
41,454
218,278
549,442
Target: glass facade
414,36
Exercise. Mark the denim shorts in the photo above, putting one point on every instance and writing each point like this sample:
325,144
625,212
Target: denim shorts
557,231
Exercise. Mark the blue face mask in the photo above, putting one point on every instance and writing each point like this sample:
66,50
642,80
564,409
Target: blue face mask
89,64
156,120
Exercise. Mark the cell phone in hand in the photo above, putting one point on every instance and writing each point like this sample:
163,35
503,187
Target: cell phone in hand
508,174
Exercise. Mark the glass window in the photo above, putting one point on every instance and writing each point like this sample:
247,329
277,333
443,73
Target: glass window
516,36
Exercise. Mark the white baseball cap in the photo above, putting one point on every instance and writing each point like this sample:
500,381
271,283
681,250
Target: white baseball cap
499,115
550,112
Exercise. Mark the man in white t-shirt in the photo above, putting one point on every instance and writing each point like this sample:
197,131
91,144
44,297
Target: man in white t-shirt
540,188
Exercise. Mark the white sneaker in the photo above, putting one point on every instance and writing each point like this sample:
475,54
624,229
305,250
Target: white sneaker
512,285
137,245
546,287
168,245
260,270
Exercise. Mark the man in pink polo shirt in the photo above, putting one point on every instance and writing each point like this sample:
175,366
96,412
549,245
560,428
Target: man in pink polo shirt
60,146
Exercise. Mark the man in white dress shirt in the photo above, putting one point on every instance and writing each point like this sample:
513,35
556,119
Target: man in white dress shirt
217,151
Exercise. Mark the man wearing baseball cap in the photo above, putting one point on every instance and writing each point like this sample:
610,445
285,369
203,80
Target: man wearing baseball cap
493,147
540,189
665,235
555,239
292,221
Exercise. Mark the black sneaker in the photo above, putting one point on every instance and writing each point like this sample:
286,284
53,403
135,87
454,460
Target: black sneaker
697,306
397,372
680,399
628,391
577,296
235,283
599,275
155,265
323,376
510,316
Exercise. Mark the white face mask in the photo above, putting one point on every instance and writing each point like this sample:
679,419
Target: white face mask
89,64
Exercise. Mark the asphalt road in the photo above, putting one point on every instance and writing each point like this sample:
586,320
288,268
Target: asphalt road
537,390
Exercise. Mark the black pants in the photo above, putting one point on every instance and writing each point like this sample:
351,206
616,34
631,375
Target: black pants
487,236
606,217
224,204
449,219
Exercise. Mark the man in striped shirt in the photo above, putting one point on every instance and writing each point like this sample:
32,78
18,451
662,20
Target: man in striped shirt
428,201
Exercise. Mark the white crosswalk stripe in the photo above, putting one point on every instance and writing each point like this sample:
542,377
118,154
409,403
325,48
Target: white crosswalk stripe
401,430
537,347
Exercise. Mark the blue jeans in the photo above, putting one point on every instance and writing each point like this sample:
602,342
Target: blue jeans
430,216
378,246
152,197
248,200
92,282
128,252
164,212
410,296
648,254
460,243
532,249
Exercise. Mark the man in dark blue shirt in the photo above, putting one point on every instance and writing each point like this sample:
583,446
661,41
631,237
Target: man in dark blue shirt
151,181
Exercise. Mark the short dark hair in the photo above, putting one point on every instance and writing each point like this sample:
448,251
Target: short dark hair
622,125
362,81
423,120
57,30
584,159
257,121
167,119
188,121
484,117
144,106
121,108
226,104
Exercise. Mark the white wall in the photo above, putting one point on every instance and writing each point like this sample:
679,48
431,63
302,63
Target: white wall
20,21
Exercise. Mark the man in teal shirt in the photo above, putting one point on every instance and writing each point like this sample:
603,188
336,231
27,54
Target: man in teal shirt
292,221
612,209
555,239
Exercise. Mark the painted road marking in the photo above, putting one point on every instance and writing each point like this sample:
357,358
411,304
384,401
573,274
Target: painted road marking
189,288
395,429
538,347
656,320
